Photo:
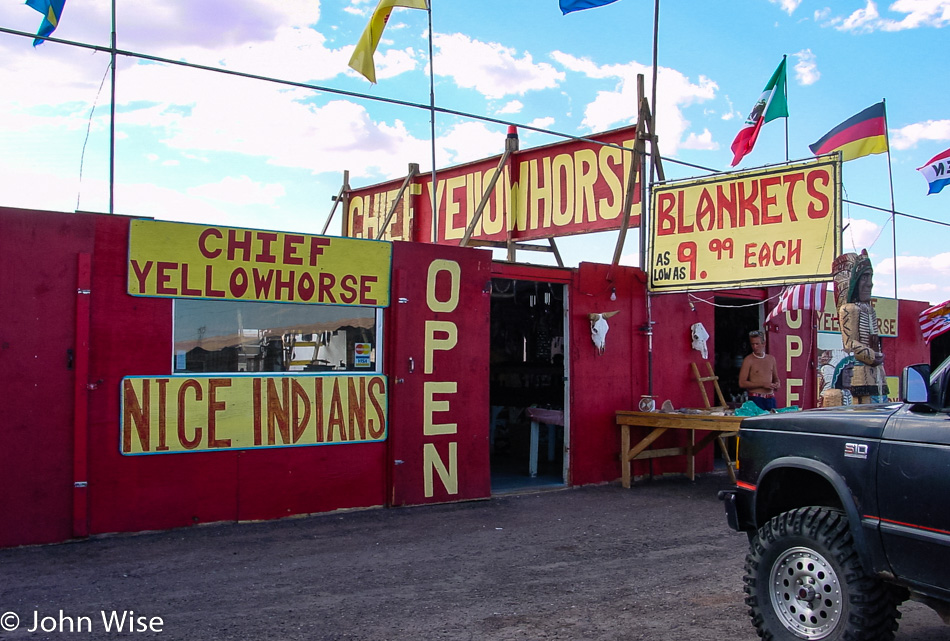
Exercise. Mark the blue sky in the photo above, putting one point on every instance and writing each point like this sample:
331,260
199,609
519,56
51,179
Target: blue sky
205,147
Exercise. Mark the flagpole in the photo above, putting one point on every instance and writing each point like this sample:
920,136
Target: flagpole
784,57
112,122
890,177
435,183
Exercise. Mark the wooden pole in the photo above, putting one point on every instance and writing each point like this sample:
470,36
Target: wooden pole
413,171
336,201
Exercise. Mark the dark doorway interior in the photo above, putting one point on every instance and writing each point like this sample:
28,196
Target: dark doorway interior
526,370
735,318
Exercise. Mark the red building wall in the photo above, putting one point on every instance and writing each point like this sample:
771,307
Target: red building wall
41,254
615,380
38,282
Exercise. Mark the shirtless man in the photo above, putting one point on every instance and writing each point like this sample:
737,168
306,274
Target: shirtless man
759,373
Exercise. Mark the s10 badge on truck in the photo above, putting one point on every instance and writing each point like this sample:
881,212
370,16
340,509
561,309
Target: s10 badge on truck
856,450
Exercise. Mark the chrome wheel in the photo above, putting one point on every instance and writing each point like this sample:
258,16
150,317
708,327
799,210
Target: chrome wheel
806,594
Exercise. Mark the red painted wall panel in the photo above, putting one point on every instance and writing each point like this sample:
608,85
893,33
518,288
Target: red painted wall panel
601,384
673,377
38,259
909,347
275,483
133,336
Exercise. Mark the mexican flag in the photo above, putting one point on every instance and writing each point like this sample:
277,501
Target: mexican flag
771,104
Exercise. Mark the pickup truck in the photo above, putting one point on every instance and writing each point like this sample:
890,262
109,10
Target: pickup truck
847,511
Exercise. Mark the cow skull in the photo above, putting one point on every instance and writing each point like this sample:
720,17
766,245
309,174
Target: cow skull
599,328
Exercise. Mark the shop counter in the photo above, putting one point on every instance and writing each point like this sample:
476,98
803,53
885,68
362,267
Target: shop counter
718,428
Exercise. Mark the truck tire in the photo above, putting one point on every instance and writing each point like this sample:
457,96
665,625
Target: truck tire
804,580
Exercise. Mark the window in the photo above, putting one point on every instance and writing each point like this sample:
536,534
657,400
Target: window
241,336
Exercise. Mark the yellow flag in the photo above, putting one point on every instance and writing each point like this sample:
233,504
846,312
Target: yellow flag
362,58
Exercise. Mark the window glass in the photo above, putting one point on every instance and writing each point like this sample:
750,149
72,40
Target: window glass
242,336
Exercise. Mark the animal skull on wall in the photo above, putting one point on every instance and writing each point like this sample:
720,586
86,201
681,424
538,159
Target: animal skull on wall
599,328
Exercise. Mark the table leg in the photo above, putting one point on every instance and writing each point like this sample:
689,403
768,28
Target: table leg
624,461
691,457
730,466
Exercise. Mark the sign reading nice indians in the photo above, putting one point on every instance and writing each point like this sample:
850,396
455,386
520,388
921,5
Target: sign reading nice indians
566,188
212,413
776,225
196,261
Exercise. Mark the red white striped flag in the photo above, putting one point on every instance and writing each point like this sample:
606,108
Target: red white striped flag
935,320
807,296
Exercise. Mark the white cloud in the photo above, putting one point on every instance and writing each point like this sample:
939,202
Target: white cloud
860,234
806,69
392,62
909,135
511,107
926,277
862,20
493,70
921,13
618,106
917,14
788,6
470,141
239,191
542,123
701,141
731,112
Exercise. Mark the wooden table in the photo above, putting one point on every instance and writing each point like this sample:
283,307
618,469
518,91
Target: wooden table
719,427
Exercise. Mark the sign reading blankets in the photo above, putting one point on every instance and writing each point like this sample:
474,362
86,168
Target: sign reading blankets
775,225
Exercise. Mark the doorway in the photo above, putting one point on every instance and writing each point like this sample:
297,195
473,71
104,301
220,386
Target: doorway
527,385
735,318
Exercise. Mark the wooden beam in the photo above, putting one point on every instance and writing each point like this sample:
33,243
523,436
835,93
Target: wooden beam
486,194
345,187
413,171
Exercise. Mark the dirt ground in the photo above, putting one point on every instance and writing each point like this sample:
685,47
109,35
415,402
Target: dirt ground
653,562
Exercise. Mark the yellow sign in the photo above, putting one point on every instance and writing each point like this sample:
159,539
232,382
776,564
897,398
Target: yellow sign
561,189
894,389
762,227
884,308
163,415
180,260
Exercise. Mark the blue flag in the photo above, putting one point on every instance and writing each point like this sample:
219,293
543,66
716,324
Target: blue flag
568,6
51,10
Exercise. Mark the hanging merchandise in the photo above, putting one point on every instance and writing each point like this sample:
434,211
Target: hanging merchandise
700,336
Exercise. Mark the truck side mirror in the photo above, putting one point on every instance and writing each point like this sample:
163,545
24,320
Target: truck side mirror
915,384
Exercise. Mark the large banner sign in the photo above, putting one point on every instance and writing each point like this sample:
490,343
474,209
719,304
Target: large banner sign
563,189
776,225
182,260
173,414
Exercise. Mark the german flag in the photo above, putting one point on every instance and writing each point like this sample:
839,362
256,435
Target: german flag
860,135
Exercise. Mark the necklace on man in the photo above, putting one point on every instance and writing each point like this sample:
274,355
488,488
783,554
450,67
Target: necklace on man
757,356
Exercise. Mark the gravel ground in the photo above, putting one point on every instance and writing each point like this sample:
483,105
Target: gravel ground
653,562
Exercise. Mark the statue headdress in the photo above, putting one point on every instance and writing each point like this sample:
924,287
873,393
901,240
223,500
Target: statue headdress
848,269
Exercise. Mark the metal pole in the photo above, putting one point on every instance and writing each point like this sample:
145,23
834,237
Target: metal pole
785,64
890,177
656,31
112,122
435,182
